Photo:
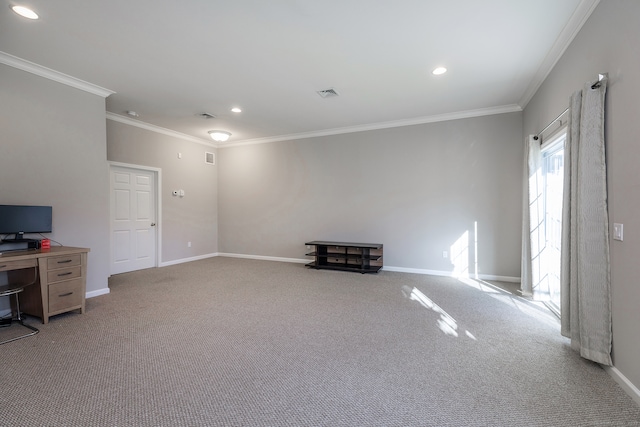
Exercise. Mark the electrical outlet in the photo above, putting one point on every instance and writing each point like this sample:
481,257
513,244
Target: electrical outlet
445,254
188,244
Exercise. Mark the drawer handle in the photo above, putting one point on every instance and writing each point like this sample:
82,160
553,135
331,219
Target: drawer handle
65,274
66,295
3,266
65,261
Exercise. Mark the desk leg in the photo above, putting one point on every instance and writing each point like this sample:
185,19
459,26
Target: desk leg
44,290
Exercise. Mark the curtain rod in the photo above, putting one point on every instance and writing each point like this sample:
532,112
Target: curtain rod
595,85
550,124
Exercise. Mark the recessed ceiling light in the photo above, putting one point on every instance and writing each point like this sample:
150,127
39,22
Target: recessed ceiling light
236,110
25,12
439,70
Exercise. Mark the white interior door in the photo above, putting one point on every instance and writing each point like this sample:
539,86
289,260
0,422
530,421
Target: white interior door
133,219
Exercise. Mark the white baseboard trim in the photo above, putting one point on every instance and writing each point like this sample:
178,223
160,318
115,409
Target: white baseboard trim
103,291
624,382
449,274
416,271
509,279
265,258
385,268
183,260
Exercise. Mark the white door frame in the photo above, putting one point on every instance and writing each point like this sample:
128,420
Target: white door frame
157,176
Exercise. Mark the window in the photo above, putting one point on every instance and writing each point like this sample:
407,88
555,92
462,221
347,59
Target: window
553,176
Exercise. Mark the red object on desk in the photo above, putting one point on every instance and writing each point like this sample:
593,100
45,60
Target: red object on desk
45,244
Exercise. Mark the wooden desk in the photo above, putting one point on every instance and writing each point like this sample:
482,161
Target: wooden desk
62,279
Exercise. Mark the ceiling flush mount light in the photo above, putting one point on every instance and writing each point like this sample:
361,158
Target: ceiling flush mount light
25,12
133,113
219,135
236,110
439,70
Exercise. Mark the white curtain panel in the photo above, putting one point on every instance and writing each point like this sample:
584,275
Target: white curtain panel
585,276
533,215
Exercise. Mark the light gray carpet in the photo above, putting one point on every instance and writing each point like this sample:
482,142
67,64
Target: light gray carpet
232,342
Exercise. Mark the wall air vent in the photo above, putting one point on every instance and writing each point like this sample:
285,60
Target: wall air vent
206,116
210,158
327,93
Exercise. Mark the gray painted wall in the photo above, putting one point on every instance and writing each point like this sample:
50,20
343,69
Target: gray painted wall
608,43
53,152
415,189
193,218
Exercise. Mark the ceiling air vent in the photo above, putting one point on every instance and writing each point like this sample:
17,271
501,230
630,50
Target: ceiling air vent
206,116
327,93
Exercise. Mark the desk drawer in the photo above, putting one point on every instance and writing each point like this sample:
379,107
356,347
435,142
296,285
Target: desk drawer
63,261
65,295
17,264
63,274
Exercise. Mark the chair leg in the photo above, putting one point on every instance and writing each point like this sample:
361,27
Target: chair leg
21,322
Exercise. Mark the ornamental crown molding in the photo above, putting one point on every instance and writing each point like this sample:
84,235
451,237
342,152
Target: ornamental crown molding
48,73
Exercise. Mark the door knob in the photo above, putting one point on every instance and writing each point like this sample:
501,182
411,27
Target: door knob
153,224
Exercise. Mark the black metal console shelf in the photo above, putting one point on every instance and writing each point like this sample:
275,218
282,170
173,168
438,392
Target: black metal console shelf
359,257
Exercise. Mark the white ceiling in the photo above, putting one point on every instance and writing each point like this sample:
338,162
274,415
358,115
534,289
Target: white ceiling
171,60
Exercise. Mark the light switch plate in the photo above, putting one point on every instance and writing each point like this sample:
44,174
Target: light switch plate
618,231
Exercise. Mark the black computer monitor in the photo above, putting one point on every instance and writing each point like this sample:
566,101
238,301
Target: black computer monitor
21,220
